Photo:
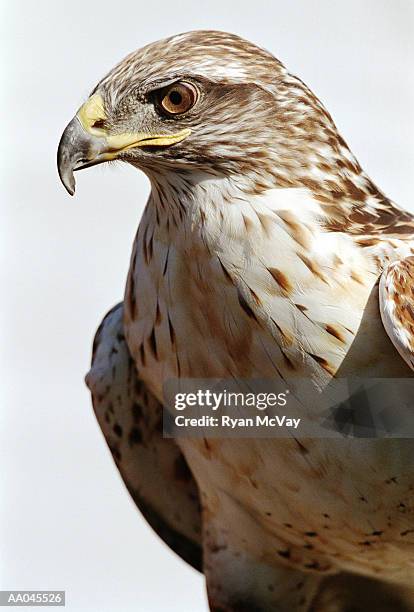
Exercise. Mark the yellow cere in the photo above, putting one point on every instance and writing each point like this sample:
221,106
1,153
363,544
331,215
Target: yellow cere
92,111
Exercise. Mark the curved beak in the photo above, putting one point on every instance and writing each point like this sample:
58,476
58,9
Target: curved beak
83,144
78,149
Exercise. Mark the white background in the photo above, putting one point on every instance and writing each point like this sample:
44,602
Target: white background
66,520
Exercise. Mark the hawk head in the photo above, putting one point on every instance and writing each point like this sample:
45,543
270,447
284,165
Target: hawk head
206,102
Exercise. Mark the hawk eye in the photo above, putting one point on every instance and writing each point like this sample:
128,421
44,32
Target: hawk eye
178,98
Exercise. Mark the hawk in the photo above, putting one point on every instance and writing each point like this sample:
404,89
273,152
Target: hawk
264,251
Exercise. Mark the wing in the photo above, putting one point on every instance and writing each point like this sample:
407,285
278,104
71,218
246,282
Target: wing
152,467
396,295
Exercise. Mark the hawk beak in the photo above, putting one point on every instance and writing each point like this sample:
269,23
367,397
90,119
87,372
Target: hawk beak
84,144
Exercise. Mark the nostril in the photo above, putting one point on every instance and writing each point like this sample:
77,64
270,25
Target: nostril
99,123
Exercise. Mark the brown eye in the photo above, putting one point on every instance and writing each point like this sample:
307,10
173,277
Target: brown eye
178,98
